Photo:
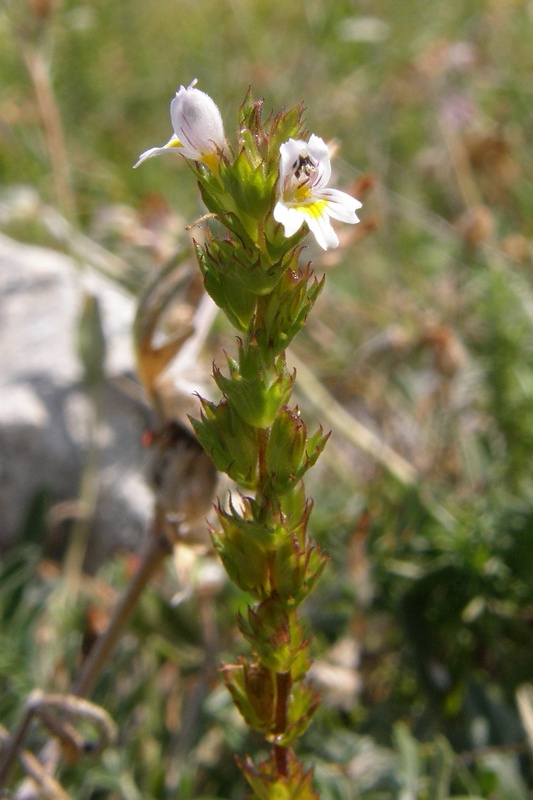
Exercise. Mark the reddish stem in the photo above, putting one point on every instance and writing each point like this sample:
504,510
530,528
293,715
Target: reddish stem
281,759
280,752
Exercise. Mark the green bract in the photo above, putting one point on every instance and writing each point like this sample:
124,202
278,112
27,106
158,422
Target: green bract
250,184
231,442
252,687
258,397
290,452
286,314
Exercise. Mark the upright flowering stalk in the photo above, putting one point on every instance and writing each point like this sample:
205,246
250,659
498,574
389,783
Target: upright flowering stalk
268,193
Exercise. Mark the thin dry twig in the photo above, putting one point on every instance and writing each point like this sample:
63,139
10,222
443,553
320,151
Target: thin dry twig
39,72
352,430
524,701
49,788
159,547
56,713
360,436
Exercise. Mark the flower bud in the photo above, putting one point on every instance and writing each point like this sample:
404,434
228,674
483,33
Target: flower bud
243,560
218,266
286,311
286,449
256,395
296,569
229,441
278,638
250,185
290,452
253,691
198,128
266,782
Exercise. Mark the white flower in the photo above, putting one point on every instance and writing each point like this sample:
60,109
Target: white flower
304,173
198,128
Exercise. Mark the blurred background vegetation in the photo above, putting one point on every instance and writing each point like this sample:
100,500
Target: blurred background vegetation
424,619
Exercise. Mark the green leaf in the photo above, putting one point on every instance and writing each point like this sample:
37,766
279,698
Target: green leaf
91,342
409,767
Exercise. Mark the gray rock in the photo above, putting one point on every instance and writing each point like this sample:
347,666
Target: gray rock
45,413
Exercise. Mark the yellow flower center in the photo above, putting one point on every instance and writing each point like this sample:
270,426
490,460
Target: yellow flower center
300,193
212,161
314,209
208,158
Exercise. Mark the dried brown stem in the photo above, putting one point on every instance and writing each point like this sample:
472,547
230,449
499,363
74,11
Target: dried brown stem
157,550
53,132
56,713
14,746
49,788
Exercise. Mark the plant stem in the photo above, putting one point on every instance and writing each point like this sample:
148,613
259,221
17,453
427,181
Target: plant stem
157,550
88,499
281,760
283,689
39,72
261,458
13,746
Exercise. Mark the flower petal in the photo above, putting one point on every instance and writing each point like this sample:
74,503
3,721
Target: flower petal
197,122
319,152
198,128
341,205
322,230
174,142
292,219
305,170
289,153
